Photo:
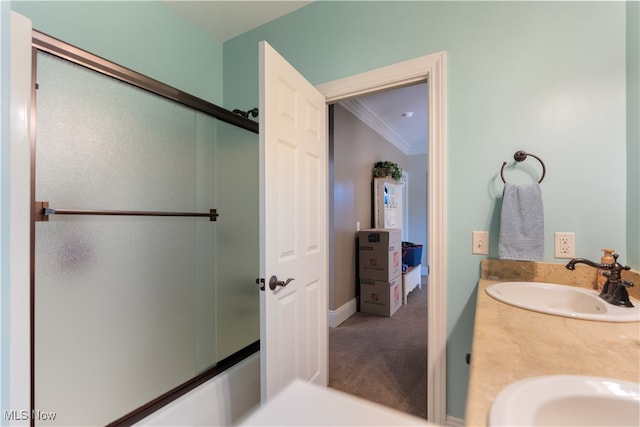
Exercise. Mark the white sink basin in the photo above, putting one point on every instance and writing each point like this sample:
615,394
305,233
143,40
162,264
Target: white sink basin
563,300
567,400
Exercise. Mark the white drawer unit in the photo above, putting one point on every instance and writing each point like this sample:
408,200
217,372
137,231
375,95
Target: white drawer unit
411,279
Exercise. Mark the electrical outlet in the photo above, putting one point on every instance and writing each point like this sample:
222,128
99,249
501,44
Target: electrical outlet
480,242
565,245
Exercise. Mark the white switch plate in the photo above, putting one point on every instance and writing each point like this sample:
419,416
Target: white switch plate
480,242
565,244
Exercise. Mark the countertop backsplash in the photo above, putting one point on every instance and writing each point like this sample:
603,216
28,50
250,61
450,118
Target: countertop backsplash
529,271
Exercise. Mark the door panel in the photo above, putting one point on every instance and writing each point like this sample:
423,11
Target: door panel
293,165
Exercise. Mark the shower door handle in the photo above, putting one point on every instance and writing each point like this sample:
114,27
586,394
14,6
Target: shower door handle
274,283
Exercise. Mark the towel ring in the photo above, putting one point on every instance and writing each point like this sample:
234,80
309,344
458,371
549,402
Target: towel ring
519,156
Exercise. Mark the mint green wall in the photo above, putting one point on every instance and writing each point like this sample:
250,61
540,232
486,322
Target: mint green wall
142,35
545,77
633,133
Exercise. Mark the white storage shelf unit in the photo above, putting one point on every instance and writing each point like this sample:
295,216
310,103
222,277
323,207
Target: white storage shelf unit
387,203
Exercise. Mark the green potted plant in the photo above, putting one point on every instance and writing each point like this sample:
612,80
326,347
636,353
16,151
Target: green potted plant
387,168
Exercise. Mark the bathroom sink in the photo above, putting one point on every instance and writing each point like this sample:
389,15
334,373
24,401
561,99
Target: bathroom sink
562,300
567,400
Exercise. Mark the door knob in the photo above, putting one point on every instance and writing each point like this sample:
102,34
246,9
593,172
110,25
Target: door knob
274,283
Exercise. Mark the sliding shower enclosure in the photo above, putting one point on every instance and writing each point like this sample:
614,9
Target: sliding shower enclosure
145,248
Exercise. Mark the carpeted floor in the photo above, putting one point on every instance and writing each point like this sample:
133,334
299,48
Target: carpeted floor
384,359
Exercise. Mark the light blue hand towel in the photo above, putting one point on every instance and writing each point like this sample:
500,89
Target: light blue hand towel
521,223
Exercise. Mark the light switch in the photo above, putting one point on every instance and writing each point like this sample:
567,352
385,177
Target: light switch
480,242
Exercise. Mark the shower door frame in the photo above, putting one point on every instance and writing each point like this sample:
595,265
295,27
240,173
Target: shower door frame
60,49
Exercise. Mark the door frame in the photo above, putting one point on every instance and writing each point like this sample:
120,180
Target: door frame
432,69
15,220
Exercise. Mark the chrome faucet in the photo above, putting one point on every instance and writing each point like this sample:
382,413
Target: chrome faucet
615,289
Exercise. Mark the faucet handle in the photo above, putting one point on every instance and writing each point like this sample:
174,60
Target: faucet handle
617,266
626,283
620,296
615,259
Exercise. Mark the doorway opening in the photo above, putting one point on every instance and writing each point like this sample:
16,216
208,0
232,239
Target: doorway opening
379,358
432,69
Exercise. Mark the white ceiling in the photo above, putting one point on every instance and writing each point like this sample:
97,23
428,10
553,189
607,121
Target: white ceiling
226,19
386,112
382,111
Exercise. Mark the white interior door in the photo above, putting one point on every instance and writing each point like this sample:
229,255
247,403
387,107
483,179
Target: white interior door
293,226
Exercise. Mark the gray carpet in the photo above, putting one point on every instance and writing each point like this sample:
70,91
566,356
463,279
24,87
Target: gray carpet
384,359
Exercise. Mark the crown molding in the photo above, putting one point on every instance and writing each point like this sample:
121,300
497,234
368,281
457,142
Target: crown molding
363,111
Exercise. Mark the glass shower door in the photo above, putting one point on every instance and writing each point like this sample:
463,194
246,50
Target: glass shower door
124,305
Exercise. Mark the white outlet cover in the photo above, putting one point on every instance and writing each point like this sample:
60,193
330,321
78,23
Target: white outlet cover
565,244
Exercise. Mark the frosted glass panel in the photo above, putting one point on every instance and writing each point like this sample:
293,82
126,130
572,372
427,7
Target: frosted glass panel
237,190
126,308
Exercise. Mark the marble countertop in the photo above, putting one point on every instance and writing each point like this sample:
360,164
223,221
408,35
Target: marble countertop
510,344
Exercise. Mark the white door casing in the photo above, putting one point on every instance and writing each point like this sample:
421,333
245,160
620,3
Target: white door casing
293,226
16,224
431,68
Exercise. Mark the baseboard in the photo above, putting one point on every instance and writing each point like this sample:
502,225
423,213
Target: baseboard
336,317
454,421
